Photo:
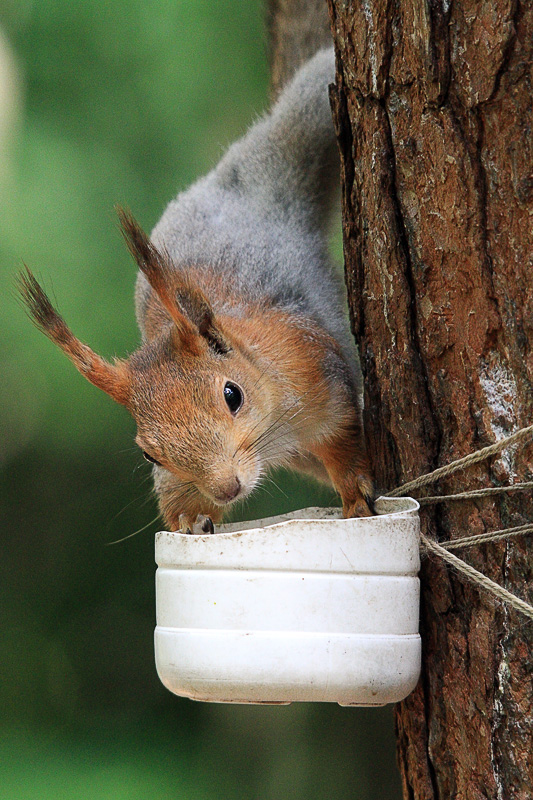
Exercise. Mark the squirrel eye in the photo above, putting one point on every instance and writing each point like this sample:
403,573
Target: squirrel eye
150,458
233,397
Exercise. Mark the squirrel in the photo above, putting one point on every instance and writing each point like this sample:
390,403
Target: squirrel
246,361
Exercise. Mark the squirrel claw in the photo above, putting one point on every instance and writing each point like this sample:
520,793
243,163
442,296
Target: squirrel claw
361,503
205,523
360,508
183,524
366,487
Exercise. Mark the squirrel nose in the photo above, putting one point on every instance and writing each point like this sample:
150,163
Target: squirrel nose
230,491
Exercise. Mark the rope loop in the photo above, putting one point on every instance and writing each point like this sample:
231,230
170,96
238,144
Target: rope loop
461,463
442,549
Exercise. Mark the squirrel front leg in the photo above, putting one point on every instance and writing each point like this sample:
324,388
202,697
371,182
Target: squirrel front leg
346,461
182,506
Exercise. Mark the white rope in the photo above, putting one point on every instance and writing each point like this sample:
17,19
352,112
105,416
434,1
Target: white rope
439,498
477,577
461,463
442,550
491,536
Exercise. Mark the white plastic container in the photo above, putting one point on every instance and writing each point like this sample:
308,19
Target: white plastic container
302,607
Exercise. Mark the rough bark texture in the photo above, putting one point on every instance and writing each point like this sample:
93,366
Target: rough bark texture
434,109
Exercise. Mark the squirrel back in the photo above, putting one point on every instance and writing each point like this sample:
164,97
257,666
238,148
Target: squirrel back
261,218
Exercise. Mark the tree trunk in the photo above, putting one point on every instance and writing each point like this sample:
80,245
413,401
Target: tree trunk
434,111
297,29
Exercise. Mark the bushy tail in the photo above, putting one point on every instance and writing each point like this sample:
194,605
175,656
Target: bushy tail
288,163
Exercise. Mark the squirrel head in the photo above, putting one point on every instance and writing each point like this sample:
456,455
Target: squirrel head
202,399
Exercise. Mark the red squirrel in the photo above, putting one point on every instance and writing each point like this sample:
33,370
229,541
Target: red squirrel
246,361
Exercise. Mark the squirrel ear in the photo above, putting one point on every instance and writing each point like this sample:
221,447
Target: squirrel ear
114,379
198,310
156,268
185,302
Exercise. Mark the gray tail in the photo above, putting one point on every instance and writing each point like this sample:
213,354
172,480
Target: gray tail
287,164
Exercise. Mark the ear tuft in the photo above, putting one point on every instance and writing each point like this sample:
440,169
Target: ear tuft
184,301
155,266
39,307
111,378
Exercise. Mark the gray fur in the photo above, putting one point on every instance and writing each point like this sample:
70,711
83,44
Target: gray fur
261,215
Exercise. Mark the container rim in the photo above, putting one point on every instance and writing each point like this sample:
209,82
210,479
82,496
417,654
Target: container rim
386,507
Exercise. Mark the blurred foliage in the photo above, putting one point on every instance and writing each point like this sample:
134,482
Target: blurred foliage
123,102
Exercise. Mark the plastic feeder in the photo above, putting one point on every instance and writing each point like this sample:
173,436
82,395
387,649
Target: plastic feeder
302,607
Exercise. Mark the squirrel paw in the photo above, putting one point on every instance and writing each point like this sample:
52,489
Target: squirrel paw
363,503
202,525
184,524
366,487
359,508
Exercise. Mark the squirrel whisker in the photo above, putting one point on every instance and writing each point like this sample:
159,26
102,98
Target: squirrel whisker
275,422
130,535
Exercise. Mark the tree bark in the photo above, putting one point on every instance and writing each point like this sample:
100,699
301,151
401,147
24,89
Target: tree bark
297,29
434,112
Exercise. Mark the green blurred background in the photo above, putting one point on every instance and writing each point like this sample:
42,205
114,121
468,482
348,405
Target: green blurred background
123,102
